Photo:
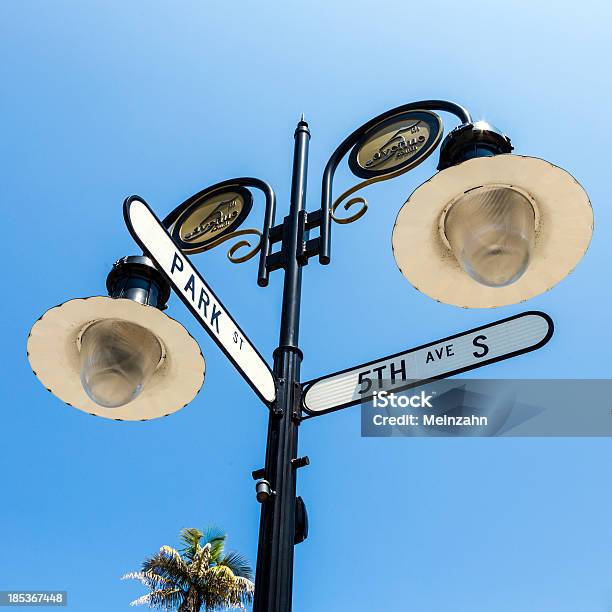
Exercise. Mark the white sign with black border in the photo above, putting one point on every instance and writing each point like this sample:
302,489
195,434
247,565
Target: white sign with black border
200,299
453,355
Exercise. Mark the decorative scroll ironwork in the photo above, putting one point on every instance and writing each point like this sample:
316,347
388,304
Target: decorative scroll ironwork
359,199
345,146
240,244
349,203
263,240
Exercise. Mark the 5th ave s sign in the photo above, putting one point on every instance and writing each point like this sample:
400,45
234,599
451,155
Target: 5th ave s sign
453,355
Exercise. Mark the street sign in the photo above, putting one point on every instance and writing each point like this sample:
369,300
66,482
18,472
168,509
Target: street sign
152,237
207,216
396,144
459,353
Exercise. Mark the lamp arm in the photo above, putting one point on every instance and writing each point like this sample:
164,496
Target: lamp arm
344,147
269,215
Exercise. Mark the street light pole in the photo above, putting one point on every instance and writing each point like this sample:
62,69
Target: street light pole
478,180
273,578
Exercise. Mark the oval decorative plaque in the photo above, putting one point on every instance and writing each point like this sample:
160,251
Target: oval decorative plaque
209,216
398,143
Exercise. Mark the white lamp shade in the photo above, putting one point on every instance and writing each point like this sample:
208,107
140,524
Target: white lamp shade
563,229
53,351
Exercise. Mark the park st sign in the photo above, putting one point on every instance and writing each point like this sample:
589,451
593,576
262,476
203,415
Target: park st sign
199,298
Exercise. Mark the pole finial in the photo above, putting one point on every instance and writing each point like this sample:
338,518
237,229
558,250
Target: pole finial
302,126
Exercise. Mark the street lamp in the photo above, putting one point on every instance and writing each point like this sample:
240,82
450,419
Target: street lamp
118,357
489,229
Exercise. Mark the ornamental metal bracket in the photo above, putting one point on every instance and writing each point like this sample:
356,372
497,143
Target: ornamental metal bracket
212,216
385,147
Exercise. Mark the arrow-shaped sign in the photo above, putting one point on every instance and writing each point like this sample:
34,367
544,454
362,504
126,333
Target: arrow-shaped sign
466,351
152,237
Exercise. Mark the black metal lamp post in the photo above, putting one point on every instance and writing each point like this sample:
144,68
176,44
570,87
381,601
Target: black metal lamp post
274,573
383,148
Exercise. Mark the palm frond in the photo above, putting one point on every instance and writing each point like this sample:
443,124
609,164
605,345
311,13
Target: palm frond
168,599
191,539
244,589
171,552
246,585
141,601
216,538
168,564
200,562
224,590
238,563
149,579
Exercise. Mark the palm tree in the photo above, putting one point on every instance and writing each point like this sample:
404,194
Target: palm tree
201,576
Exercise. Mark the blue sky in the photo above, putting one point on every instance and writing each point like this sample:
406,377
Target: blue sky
101,100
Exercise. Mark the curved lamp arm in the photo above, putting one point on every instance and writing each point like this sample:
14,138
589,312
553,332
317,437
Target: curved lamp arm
264,238
350,141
